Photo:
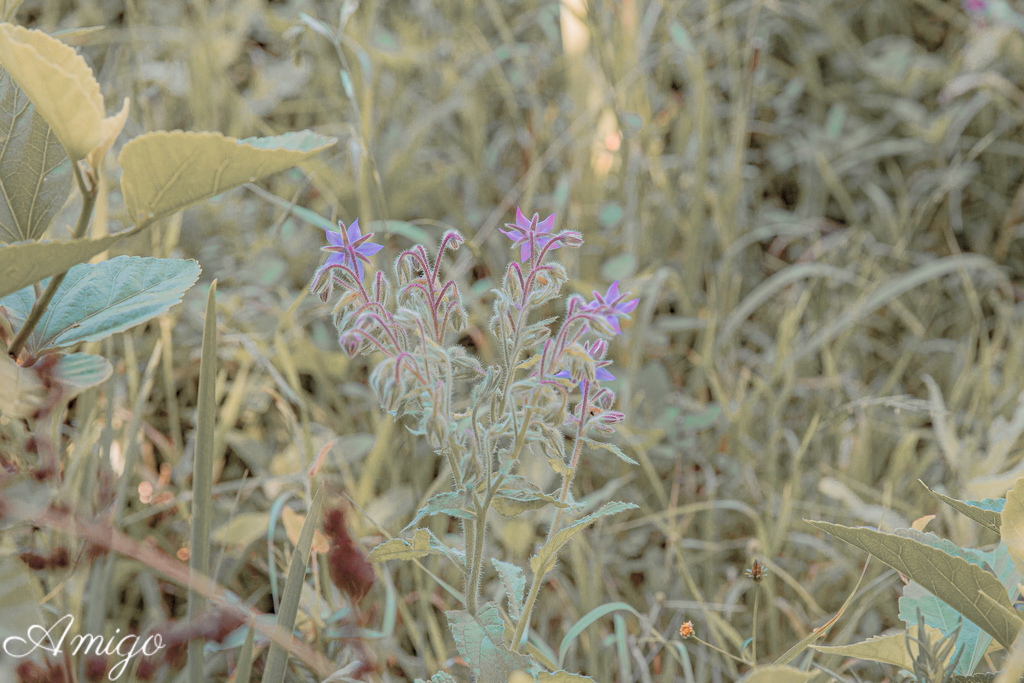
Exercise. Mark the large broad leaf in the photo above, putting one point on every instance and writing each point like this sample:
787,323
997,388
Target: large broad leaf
59,83
971,641
25,389
517,495
953,579
400,549
167,171
25,264
1012,524
480,641
545,557
97,300
886,649
447,502
35,174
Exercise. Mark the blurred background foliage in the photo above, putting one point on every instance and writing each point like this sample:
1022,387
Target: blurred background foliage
818,202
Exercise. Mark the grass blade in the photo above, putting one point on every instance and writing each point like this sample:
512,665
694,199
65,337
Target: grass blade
202,476
243,669
277,659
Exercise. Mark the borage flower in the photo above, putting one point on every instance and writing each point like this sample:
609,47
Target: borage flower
596,351
350,247
521,231
612,306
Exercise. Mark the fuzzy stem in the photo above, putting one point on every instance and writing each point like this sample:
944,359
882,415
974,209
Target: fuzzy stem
88,202
753,639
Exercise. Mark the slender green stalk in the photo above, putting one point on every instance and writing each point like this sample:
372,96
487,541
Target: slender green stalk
88,202
753,637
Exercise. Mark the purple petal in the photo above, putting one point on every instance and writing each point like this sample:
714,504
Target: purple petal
526,251
613,292
335,238
368,248
337,259
563,373
521,220
353,231
604,375
546,224
512,235
628,306
614,322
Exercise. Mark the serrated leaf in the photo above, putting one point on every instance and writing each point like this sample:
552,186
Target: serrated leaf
27,263
59,83
449,503
778,674
35,174
953,579
518,495
401,549
985,512
164,172
1011,526
514,581
886,649
96,300
542,562
480,642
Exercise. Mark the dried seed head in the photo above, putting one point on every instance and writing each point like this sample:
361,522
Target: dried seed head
756,572
686,630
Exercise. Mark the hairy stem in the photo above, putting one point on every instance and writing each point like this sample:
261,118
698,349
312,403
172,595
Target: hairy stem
88,202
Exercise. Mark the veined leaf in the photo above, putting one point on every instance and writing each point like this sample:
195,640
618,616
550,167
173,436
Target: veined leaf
448,502
518,495
985,512
970,639
97,300
27,263
480,641
545,557
35,174
21,599
1012,524
778,674
164,172
953,579
59,83
886,649
401,549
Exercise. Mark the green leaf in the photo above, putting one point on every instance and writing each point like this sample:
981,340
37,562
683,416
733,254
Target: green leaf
518,495
164,172
27,263
35,174
885,649
21,599
778,674
401,549
59,83
97,300
1011,526
277,658
202,472
970,639
25,388
243,668
985,512
953,579
611,448
480,641
586,620
514,581
542,562
449,503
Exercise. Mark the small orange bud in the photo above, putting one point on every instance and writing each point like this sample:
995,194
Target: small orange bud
686,630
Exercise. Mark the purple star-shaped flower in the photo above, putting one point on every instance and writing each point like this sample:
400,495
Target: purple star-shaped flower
520,231
615,304
601,374
350,247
